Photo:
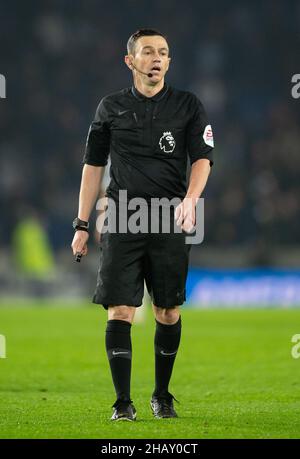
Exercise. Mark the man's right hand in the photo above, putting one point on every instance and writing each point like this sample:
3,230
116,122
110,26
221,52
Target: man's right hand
79,243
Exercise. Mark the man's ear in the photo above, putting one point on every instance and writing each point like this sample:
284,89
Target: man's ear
169,63
128,61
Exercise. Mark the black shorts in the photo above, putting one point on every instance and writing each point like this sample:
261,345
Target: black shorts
127,260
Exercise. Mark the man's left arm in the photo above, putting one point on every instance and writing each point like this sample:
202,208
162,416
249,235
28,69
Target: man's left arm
185,212
199,174
200,151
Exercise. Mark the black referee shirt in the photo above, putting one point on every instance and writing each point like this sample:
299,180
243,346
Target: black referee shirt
149,140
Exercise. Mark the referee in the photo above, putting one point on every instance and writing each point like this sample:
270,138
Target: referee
150,131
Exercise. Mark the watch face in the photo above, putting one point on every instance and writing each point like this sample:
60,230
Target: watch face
78,222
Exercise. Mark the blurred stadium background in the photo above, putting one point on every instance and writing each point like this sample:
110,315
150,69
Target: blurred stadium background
60,58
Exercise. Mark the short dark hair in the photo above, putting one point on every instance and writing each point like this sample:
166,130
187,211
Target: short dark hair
141,33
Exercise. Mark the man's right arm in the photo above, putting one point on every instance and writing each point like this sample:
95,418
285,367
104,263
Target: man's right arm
94,160
89,192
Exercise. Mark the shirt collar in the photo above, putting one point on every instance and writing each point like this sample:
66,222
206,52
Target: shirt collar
155,98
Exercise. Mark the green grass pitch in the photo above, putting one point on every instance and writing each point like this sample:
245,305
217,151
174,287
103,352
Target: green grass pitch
234,375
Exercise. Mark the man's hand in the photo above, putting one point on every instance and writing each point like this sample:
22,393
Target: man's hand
79,244
185,214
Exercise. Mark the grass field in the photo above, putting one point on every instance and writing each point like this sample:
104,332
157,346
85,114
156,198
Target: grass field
234,375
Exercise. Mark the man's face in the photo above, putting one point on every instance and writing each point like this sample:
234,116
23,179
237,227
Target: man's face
152,55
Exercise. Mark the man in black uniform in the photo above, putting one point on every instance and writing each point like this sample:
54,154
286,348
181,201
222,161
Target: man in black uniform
149,130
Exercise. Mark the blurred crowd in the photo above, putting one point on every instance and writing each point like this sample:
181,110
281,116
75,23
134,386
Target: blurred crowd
61,57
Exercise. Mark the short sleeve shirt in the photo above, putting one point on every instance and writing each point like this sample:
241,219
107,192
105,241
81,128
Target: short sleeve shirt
149,140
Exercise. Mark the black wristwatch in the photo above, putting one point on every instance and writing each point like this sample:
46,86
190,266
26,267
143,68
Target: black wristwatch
80,225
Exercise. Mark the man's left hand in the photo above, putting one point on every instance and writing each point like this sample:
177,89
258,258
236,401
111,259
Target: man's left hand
185,214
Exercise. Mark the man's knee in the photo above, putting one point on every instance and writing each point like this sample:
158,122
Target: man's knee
121,313
167,315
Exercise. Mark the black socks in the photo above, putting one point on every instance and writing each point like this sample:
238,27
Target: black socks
166,343
119,353
118,348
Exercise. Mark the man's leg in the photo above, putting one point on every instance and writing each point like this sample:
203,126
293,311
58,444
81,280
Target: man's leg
141,311
118,348
166,343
